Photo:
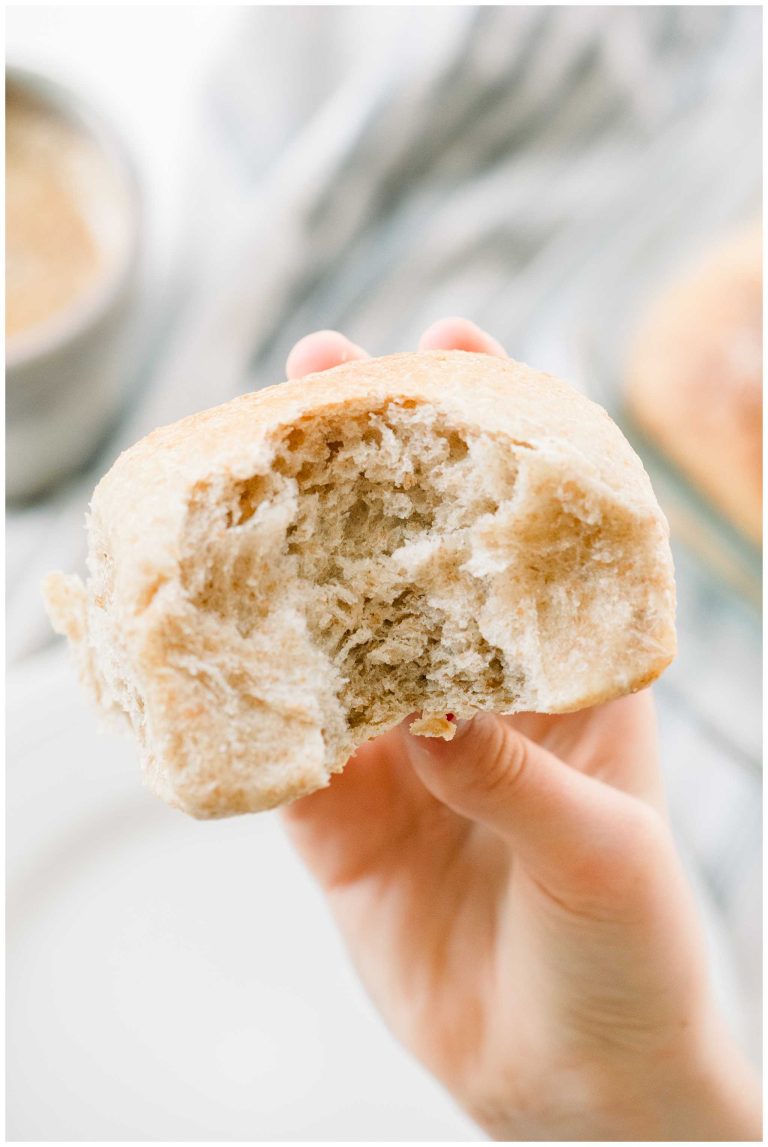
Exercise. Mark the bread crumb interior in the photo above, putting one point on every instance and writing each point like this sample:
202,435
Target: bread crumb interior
382,532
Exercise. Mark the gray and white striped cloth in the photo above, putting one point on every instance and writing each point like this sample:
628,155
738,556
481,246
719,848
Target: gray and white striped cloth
537,169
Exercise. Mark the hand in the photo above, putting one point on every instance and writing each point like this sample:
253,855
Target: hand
513,901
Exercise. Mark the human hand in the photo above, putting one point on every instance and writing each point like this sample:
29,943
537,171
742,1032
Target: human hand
514,903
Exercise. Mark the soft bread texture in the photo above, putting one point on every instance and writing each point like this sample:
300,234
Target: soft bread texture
695,376
276,581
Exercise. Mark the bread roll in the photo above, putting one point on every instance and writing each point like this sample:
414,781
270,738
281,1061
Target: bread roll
275,581
695,377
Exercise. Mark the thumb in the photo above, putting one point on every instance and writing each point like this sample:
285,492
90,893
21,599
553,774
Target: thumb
568,829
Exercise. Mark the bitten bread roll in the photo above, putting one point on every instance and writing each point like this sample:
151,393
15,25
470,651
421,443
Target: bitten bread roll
275,581
695,376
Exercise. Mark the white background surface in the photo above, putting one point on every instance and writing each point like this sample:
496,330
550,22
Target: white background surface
172,979
169,980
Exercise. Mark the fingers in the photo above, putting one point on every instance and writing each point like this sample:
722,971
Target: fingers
615,741
568,829
459,334
321,351
325,349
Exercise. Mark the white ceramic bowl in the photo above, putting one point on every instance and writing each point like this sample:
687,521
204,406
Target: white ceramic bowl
65,378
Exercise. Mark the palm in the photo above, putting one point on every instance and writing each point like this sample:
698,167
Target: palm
421,892
410,882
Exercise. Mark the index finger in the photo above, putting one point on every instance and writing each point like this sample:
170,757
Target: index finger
460,334
320,351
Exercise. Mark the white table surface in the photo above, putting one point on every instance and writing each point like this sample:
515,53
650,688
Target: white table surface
171,979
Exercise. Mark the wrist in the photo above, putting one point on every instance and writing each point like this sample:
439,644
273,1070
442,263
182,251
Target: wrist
717,1095
702,1090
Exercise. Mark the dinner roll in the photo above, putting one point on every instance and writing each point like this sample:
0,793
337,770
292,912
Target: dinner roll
277,580
695,376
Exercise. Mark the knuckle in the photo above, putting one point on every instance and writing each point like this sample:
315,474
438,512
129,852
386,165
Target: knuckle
504,761
624,864
642,838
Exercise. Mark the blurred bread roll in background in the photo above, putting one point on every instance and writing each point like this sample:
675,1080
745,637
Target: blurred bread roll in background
695,376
